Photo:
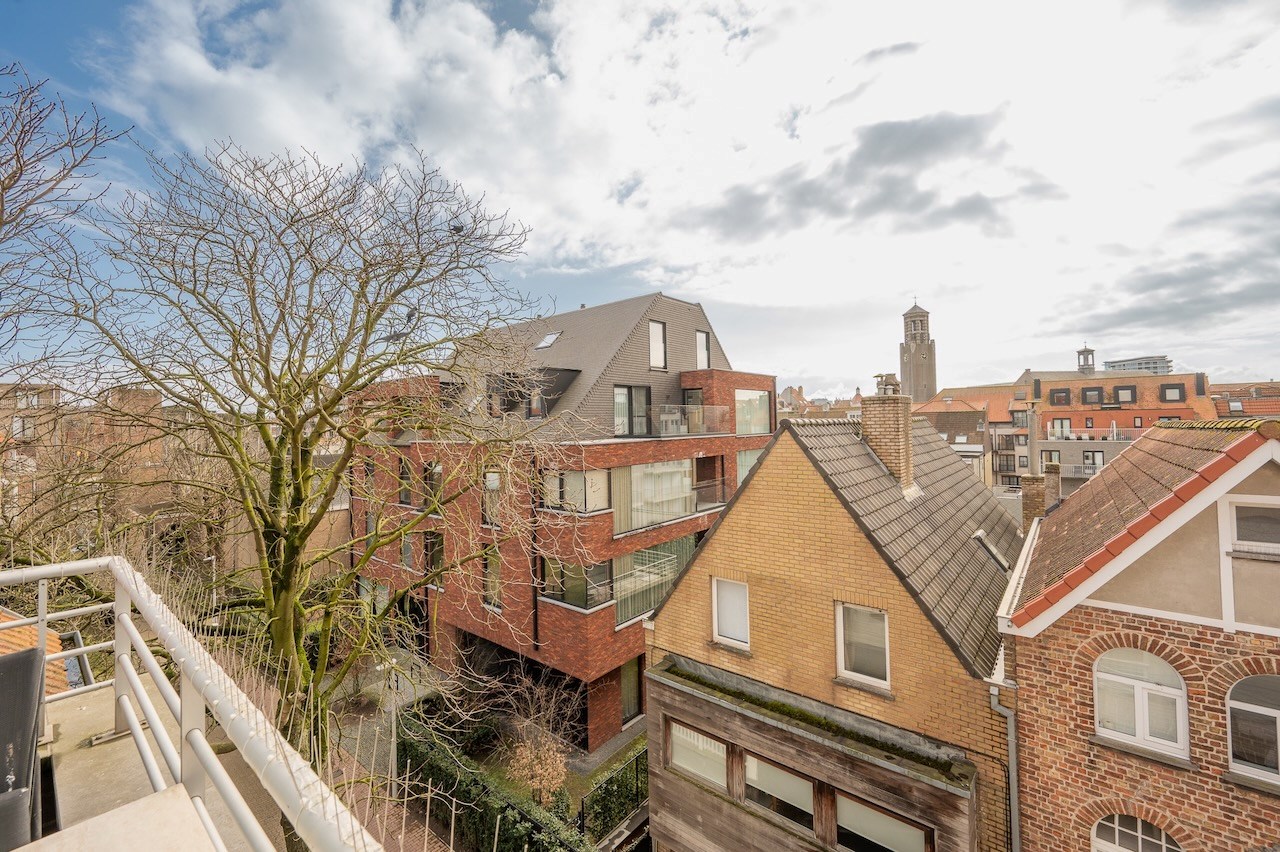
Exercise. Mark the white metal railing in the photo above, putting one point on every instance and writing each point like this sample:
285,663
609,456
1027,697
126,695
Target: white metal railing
643,587
1079,471
1059,434
316,812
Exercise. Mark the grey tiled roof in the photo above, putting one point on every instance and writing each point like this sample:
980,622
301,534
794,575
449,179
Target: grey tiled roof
927,540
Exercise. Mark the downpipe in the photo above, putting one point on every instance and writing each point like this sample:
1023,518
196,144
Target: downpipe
1011,728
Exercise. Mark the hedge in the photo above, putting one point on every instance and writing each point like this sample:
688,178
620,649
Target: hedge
524,824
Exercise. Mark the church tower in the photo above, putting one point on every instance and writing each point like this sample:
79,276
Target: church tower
916,356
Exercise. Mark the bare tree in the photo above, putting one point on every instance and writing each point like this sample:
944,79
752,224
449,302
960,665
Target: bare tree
300,316
47,154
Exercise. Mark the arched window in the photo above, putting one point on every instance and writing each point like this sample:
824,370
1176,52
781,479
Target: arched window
1140,699
1253,710
1120,832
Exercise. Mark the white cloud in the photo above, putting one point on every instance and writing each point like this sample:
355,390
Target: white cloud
725,150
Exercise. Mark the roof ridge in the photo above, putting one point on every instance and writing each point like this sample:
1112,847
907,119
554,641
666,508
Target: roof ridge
1268,427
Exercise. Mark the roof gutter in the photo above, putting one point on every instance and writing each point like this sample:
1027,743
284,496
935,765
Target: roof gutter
1014,589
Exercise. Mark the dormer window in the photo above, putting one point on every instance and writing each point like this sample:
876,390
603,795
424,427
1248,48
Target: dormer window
1235,406
1060,396
548,340
1173,393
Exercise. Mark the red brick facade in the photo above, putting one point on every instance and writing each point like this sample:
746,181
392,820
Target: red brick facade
587,645
1069,783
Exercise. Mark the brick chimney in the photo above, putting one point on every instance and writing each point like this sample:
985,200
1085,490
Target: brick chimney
886,428
1032,499
1052,484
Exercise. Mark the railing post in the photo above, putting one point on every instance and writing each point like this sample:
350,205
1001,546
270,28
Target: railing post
123,611
42,633
192,718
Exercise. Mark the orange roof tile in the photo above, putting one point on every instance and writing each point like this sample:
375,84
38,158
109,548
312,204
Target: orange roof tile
1163,469
22,638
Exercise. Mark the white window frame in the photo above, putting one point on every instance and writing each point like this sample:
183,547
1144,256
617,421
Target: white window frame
702,350
841,669
654,362
1244,768
1142,690
1165,841
1260,501
715,614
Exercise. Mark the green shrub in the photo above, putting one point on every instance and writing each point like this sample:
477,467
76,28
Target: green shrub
481,801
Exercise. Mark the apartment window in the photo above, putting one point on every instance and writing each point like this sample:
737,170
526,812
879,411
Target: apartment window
1091,396
1024,462
729,611
1088,423
536,405
1050,456
746,460
432,487
1173,393
582,586
1141,699
24,428
1257,526
370,470
406,553
1094,457
1014,481
1122,832
1019,419
1253,711
630,674
751,408
1005,443
631,410
698,754
1005,464
490,496
432,552
406,482
1060,396
1060,427
657,345
862,644
861,826
1170,419
778,790
702,343
576,490
1126,393
1137,422
1021,440
493,578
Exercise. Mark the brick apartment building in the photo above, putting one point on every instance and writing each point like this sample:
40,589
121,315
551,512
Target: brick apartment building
647,431
828,670
1085,417
1145,626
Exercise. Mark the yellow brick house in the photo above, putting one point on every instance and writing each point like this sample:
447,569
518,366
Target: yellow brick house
829,670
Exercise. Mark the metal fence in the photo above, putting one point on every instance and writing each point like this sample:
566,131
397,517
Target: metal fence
615,799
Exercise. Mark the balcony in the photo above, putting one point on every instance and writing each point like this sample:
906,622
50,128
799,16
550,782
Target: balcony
109,799
664,421
1052,434
662,503
1079,471
642,588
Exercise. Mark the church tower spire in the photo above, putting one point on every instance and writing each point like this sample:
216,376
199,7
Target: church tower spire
916,356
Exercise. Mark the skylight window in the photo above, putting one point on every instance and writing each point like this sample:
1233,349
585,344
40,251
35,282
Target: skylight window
548,340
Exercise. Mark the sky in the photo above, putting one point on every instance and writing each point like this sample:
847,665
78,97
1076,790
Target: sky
1037,176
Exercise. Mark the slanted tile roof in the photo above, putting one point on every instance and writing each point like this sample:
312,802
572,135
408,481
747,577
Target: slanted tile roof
997,399
22,638
927,540
1164,468
1249,406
